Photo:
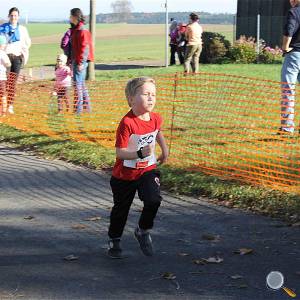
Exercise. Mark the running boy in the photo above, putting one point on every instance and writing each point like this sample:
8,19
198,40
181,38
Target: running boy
4,64
135,167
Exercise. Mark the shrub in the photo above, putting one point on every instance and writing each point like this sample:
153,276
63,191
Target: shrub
215,48
243,50
270,55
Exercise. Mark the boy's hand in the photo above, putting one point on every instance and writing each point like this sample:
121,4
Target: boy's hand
147,150
162,158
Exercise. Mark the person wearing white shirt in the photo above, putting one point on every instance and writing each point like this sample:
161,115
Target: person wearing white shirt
4,64
18,44
193,36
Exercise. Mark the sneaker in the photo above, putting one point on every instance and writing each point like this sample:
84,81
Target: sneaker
114,249
145,242
11,109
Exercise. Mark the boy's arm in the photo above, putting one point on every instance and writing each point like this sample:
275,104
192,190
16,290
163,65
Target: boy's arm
123,153
164,148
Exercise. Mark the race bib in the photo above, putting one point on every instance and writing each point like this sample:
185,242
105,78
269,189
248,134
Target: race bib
135,143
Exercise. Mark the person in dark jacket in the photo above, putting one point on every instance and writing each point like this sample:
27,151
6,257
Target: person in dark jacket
82,52
290,72
65,45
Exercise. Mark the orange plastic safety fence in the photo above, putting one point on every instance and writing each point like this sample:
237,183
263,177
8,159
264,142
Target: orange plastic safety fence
219,124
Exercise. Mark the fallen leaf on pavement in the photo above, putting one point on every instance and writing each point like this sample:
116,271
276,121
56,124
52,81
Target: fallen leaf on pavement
210,237
199,261
243,251
28,217
93,219
168,275
296,224
214,260
78,226
71,257
183,254
235,277
182,241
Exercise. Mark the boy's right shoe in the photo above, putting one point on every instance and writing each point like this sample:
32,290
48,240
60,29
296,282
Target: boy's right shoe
114,249
145,241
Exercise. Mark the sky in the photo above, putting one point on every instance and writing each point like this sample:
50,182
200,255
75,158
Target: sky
56,9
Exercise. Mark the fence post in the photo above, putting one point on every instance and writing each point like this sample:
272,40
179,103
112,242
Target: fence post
173,110
258,37
234,30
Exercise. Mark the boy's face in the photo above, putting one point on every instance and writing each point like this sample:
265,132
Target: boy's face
144,99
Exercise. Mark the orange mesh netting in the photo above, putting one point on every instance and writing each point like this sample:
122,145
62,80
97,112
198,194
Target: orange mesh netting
219,124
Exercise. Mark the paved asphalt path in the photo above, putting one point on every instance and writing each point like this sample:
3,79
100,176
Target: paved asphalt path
45,215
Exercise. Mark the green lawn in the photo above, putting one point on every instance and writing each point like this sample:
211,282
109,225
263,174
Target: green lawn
122,45
45,29
220,145
267,72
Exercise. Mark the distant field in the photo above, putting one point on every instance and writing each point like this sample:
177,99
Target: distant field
114,42
131,43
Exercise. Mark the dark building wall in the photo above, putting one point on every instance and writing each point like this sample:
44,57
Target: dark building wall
272,18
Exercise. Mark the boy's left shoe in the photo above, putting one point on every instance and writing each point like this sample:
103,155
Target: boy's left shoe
114,249
145,242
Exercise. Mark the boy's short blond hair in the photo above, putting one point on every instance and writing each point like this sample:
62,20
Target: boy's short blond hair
134,84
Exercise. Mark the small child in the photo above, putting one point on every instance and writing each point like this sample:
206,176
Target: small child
135,167
4,64
63,82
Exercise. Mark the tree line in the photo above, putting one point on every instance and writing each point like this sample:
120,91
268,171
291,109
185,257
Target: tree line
159,17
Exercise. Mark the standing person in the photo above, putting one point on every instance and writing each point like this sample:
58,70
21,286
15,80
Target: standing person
291,67
63,82
4,64
181,42
135,167
65,45
173,41
194,44
17,50
82,52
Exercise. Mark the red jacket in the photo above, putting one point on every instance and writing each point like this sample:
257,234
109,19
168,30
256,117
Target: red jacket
82,46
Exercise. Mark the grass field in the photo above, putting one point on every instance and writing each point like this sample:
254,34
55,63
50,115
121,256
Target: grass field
145,43
268,72
114,42
129,43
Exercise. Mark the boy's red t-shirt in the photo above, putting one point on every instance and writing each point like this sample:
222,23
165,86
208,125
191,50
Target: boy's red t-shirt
134,133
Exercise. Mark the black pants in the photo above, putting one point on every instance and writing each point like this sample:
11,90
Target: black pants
175,49
173,52
16,65
148,188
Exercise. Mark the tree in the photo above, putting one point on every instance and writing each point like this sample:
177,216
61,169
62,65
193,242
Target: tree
122,10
